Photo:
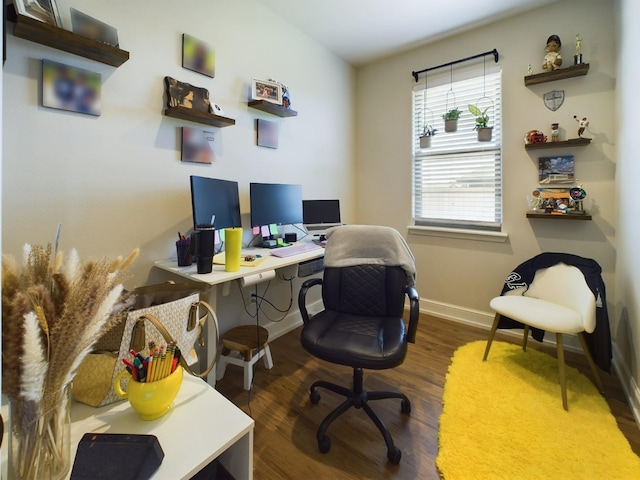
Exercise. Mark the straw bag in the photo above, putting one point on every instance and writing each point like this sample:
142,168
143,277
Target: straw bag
162,313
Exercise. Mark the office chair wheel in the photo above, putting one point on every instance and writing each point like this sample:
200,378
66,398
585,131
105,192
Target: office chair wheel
315,398
405,407
394,455
324,444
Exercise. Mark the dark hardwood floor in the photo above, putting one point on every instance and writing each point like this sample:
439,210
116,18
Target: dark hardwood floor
285,444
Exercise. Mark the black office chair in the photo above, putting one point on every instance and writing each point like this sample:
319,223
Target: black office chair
368,271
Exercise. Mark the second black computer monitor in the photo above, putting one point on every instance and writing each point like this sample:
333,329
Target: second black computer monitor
275,203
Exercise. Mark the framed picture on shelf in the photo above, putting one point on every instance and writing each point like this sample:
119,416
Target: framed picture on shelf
43,10
71,88
265,90
559,169
552,199
198,56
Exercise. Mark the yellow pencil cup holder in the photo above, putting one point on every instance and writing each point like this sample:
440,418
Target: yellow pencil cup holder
150,399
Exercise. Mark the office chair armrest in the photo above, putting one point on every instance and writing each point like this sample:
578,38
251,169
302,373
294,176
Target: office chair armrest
302,296
414,313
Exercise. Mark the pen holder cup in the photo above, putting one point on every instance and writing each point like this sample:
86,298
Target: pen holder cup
183,253
150,400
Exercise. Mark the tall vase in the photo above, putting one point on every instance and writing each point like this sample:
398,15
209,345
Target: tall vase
41,437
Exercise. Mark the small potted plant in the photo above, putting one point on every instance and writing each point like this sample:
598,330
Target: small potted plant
482,123
425,139
451,120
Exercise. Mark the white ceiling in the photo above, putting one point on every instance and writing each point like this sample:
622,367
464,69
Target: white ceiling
361,31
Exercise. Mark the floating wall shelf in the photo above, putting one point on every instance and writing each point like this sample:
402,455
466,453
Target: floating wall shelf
272,108
560,74
573,142
61,39
565,216
184,113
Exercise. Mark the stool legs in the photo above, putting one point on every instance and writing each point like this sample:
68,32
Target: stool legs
235,358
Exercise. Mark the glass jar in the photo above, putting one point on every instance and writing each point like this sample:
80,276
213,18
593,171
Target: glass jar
41,437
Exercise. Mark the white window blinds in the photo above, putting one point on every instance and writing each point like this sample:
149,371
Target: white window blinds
458,181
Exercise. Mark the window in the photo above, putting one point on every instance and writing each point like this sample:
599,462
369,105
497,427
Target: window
458,180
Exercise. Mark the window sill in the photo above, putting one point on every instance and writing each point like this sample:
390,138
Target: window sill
480,235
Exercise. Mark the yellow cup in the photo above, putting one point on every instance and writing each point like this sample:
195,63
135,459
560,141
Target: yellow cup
153,399
233,249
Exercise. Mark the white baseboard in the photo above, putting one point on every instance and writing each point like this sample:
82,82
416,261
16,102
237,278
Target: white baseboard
485,319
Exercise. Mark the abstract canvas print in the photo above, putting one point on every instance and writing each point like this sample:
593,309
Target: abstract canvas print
197,145
267,134
70,88
198,56
560,169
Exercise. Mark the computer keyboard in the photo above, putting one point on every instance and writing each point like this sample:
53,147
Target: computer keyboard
294,249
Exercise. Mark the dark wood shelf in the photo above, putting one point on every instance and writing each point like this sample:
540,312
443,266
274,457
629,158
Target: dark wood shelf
560,74
184,113
61,39
572,142
272,108
564,216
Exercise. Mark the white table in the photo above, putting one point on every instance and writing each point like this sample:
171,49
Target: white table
201,426
221,279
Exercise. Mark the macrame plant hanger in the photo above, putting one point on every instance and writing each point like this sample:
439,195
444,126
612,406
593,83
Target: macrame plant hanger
451,112
483,128
427,125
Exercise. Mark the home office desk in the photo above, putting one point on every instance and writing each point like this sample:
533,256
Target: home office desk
221,279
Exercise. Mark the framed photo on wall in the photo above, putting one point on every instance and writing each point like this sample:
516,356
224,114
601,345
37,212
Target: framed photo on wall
197,145
265,90
70,88
43,10
559,169
198,56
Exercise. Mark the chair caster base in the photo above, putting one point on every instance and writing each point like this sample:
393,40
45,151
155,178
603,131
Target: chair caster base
394,456
324,444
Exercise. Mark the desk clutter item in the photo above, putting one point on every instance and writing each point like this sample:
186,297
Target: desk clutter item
239,345
162,313
295,249
245,260
116,455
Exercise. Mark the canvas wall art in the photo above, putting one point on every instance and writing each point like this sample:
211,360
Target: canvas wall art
559,169
267,134
198,56
197,145
69,88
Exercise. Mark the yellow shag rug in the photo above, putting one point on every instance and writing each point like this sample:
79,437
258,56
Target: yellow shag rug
503,419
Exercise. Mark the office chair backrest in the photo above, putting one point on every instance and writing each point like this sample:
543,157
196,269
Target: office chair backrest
368,290
565,285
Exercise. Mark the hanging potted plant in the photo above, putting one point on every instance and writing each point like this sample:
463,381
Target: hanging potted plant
451,120
425,139
482,123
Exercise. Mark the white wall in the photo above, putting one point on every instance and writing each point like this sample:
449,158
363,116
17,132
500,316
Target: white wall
116,182
626,331
458,277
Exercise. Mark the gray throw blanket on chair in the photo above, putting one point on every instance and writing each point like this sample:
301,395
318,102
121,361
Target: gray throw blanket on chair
350,245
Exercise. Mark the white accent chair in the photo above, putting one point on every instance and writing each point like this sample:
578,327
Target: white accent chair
559,301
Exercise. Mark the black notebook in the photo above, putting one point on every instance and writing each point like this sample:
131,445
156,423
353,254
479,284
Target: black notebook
116,455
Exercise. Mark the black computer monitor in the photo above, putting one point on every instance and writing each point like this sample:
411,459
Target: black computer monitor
275,203
321,213
212,197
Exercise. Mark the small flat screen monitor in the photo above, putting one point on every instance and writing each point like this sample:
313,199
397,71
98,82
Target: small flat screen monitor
217,199
275,203
320,213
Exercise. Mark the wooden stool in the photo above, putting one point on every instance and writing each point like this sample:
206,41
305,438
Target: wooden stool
238,346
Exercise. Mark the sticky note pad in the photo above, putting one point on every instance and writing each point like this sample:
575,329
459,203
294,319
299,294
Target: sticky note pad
273,229
256,230
265,231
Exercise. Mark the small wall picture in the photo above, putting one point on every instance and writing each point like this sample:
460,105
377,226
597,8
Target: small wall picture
560,169
267,134
44,10
197,145
70,88
198,56
266,90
